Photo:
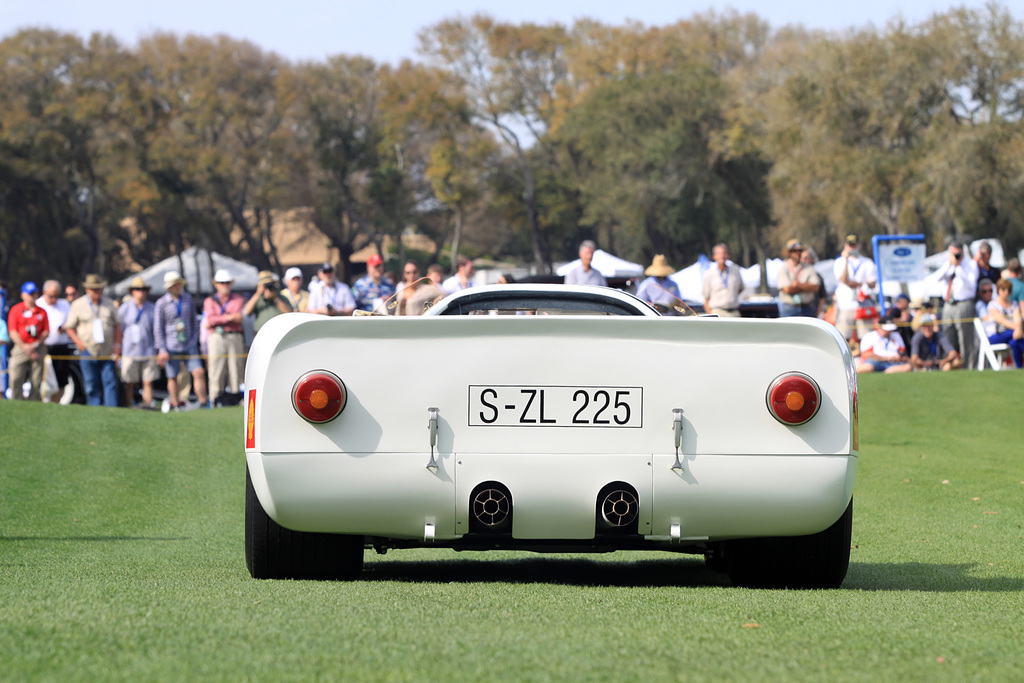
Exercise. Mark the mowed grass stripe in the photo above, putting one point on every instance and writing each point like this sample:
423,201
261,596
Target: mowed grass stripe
121,557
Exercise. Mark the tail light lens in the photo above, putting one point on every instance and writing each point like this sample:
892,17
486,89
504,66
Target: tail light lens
319,396
793,398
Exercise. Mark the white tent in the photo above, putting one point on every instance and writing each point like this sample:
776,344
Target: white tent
197,266
607,264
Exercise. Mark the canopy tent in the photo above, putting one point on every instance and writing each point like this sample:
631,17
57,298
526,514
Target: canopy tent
197,266
607,264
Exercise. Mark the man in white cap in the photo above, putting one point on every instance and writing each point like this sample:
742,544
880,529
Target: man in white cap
222,315
882,349
293,294
176,335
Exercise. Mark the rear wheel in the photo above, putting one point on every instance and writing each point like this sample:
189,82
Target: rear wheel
815,561
273,552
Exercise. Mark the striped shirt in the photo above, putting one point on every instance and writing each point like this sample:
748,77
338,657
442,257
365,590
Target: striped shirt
165,330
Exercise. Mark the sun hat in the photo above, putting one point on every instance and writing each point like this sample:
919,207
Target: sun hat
794,244
292,273
659,267
223,276
94,281
173,277
265,277
29,288
138,283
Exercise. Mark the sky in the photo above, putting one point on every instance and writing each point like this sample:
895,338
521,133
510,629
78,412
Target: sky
386,31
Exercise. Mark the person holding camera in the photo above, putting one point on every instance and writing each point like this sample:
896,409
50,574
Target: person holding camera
958,278
856,278
331,297
265,302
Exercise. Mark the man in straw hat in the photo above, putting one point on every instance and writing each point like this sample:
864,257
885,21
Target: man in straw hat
176,334
658,290
138,355
95,329
265,303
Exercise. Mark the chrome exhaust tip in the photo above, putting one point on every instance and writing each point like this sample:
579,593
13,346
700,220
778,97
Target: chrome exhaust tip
620,508
491,509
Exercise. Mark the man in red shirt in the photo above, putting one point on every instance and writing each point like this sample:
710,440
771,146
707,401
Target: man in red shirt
29,327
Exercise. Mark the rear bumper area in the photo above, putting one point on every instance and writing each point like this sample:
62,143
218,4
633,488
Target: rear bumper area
554,497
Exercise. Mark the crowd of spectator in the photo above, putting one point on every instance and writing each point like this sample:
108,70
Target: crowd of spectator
137,339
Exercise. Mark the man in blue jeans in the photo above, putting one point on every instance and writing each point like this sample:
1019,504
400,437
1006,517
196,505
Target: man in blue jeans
95,329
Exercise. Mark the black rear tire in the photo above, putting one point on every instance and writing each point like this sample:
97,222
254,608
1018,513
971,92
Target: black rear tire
816,561
274,552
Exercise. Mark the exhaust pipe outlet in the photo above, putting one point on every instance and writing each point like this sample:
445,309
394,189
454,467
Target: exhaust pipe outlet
490,509
618,509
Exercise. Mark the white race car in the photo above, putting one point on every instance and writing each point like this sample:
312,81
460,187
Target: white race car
555,419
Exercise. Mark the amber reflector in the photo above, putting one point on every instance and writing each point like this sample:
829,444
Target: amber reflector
319,396
793,398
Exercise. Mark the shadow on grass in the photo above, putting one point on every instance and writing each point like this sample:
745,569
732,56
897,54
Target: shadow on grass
573,572
90,539
686,573
921,576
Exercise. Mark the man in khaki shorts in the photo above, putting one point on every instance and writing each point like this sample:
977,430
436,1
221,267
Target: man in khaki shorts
138,352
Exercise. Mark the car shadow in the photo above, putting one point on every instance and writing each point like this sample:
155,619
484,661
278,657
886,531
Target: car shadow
558,571
686,573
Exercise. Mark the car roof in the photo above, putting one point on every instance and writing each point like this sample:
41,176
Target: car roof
598,300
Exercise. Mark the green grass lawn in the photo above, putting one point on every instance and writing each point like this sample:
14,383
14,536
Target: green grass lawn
121,558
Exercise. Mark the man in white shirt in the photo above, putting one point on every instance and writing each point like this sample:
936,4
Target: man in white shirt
583,274
722,285
463,278
958,279
58,343
856,277
331,297
882,349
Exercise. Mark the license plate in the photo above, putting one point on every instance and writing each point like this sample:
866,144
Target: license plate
554,406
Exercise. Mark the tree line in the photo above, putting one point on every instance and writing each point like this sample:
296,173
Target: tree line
513,141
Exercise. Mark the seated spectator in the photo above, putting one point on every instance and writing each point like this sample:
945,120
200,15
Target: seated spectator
903,317
985,295
1007,327
930,350
882,349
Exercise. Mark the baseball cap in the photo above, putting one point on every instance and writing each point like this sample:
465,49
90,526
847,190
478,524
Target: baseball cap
326,267
794,244
292,273
223,275
374,260
29,288
928,319
852,239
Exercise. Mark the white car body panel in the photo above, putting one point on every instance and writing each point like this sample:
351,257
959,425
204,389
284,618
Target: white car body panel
744,473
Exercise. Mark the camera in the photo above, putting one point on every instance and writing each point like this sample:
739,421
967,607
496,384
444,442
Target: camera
959,255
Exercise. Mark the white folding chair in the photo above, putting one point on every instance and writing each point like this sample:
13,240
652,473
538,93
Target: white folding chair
994,354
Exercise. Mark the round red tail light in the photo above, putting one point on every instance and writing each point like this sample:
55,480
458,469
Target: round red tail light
793,398
319,396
